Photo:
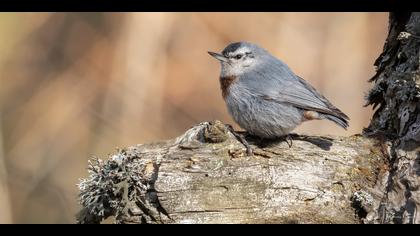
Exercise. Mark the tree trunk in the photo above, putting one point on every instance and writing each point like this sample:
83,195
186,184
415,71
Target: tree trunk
397,120
204,176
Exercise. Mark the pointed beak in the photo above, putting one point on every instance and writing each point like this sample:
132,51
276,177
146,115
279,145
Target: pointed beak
218,56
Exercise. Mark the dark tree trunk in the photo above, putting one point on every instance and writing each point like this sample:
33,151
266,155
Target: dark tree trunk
396,93
204,176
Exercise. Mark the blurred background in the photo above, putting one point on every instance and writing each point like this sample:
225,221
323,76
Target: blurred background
78,85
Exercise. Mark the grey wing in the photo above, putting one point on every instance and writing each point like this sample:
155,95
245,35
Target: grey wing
282,85
330,111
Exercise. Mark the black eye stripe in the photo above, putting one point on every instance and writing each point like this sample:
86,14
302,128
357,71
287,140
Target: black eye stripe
240,55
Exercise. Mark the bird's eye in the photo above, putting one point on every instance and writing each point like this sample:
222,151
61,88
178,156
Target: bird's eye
239,56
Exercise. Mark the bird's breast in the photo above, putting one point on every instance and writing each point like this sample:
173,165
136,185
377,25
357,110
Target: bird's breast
225,84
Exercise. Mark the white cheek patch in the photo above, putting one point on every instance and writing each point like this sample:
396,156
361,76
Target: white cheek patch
247,62
238,67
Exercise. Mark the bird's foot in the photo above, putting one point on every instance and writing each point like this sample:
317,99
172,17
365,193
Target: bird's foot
289,140
241,139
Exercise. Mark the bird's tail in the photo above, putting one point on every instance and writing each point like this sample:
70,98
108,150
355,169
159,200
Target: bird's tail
339,120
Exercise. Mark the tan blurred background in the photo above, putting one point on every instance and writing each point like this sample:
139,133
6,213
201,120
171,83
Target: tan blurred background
77,85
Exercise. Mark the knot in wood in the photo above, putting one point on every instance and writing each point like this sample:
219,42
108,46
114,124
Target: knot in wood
215,132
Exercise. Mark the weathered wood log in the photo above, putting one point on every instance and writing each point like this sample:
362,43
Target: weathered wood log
204,176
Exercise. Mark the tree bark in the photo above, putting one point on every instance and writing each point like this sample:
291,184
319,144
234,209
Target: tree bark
397,120
204,176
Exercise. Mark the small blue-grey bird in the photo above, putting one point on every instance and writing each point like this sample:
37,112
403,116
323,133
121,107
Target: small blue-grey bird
265,97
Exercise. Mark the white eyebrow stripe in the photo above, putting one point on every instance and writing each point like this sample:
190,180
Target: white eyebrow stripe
243,50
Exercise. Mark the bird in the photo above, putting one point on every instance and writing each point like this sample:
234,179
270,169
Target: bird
265,97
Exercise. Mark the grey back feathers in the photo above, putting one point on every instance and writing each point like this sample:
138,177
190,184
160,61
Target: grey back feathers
266,86
277,82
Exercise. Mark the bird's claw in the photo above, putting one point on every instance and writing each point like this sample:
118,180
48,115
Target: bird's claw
289,140
249,151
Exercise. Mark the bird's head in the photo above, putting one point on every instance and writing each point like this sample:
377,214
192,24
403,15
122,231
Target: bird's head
238,58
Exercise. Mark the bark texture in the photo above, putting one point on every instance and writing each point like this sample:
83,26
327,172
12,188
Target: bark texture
396,93
204,176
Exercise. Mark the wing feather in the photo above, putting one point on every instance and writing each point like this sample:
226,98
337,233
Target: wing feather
277,82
